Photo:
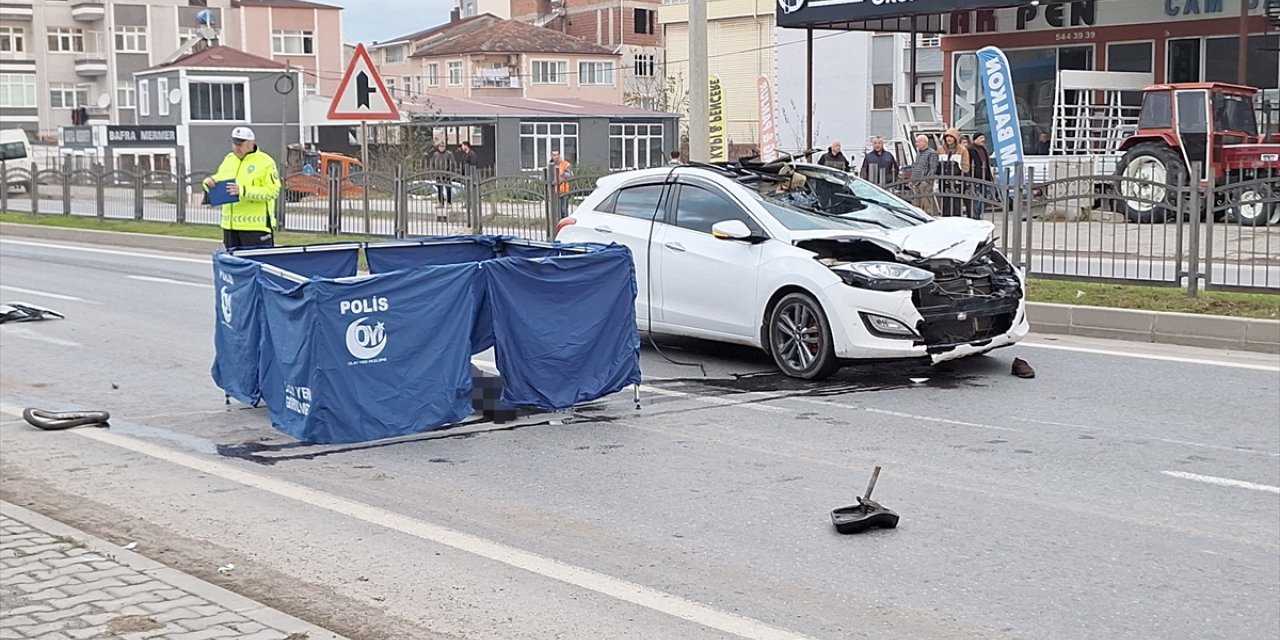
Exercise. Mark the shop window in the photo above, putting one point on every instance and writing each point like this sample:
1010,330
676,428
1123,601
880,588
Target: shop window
1221,56
1184,60
1134,57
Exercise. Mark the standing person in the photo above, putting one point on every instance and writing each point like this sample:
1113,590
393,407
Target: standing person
953,162
675,159
834,158
561,172
442,160
469,159
980,159
879,166
922,174
249,221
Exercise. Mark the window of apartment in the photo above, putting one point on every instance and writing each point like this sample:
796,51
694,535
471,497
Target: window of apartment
131,39
310,89
17,90
65,95
550,72
433,75
126,97
144,97
13,40
393,54
162,96
644,20
66,40
881,96
924,40
408,83
595,73
646,65
539,139
635,146
929,93
455,73
292,42
391,87
217,101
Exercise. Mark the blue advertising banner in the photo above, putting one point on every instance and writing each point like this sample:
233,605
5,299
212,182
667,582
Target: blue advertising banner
380,357
237,329
565,326
1002,112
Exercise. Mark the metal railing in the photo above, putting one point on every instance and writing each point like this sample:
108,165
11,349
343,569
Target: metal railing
1218,234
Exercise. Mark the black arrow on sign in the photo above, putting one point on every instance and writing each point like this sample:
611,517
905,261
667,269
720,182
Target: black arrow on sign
363,90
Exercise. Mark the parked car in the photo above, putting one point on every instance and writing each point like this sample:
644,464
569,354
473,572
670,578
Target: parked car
811,264
15,153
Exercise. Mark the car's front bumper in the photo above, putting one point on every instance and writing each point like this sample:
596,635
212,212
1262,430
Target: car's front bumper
853,339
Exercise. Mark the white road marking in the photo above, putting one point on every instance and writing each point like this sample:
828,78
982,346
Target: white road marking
28,334
740,626
910,416
1205,445
110,252
1223,482
1152,356
202,285
45,294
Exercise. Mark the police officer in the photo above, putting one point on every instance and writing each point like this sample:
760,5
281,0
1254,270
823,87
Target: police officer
249,221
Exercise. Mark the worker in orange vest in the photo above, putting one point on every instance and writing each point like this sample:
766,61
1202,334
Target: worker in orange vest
562,173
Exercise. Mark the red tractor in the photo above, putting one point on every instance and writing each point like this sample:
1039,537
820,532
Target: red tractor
1210,123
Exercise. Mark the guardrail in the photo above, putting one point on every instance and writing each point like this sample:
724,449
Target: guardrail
1106,228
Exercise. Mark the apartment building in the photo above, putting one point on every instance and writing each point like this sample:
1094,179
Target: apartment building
486,56
58,56
627,27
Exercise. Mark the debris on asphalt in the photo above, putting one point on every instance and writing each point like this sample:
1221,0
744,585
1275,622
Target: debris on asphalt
226,569
1022,369
25,312
131,546
866,514
59,420
919,380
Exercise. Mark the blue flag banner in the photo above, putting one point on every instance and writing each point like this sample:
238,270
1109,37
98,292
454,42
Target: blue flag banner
1002,111
237,328
565,326
374,358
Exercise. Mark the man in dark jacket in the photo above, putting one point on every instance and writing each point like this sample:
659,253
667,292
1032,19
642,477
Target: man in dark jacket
469,158
833,158
879,166
443,160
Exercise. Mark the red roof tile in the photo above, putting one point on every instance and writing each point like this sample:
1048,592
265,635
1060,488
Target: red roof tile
222,57
496,35
284,4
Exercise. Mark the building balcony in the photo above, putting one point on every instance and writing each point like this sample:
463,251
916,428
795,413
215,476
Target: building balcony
91,66
24,11
495,79
88,10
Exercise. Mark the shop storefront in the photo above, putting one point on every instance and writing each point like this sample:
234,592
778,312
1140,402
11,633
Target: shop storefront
1174,40
133,148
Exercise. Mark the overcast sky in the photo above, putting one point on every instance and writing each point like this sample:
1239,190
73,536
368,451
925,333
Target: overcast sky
369,20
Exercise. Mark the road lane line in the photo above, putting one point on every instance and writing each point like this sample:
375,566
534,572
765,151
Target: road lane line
110,252
28,334
1189,443
46,294
900,414
1223,482
202,285
649,598
1152,356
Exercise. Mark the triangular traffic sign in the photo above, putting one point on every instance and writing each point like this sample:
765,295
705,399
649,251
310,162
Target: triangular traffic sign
362,95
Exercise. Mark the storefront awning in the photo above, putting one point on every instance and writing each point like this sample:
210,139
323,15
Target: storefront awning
921,16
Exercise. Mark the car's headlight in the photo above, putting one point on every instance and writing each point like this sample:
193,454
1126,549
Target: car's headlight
883,276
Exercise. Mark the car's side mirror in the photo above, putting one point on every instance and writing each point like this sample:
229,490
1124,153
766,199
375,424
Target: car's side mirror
731,230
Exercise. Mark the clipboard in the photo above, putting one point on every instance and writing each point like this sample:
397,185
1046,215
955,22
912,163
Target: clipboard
219,196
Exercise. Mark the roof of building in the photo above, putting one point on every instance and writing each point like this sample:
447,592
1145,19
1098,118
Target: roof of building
284,4
490,107
487,33
221,57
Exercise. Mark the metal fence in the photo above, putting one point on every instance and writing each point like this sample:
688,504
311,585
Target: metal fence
1072,225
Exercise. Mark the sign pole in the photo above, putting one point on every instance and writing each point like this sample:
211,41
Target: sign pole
364,144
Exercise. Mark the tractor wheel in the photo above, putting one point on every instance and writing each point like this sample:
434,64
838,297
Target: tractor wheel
1142,171
1256,206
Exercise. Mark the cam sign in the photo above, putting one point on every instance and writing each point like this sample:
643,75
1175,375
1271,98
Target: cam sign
1002,110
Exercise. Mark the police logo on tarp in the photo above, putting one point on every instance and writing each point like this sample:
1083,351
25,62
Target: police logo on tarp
365,338
224,295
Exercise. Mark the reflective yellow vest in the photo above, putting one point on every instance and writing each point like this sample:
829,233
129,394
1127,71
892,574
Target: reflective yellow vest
259,187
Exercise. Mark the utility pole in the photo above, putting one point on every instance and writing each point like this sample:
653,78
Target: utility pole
699,77
1242,53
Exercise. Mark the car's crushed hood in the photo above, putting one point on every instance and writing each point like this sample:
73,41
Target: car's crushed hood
955,239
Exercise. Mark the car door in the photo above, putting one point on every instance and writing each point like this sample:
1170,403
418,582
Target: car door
630,217
708,284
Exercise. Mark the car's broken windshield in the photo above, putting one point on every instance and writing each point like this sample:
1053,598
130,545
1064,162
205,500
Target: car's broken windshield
819,199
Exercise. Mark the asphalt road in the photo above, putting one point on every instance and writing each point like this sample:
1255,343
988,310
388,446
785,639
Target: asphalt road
1128,491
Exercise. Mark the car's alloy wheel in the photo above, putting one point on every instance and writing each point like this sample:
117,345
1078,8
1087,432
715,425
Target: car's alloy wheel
800,338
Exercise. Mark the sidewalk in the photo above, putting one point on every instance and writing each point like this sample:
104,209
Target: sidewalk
57,582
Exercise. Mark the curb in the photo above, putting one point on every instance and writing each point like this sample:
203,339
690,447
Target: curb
229,600
1160,327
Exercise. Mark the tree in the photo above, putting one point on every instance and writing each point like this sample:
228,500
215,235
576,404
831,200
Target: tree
405,143
669,94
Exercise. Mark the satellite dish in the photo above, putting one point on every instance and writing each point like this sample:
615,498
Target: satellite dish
175,96
104,100
208,33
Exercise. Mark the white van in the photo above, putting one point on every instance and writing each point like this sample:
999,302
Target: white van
15,153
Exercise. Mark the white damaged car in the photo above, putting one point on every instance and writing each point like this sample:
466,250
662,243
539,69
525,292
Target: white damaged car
811,264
